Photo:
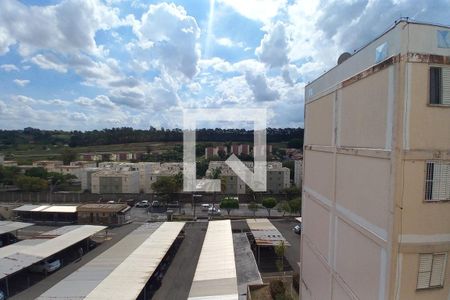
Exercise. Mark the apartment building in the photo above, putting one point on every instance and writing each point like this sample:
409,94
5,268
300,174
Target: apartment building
376,190
278,177
298,173
210,152
86,178
112,181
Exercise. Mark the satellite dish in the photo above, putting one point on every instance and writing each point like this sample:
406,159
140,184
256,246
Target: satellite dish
343,57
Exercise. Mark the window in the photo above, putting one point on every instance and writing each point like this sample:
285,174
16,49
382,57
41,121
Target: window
437,181
439,86
431,270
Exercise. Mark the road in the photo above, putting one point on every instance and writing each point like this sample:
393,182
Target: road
292,253
176,283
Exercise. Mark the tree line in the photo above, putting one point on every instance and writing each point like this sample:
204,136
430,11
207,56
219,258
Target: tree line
123,135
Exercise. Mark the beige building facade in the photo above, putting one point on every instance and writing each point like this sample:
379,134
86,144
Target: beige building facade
114,182
376,190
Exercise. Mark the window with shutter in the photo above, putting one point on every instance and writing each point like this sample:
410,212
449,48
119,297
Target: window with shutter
437,181
439,85
431,270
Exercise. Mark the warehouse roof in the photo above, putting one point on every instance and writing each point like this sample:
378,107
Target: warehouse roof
215,276
83,281
9,226
265,233
135,271
47,208
102,207
28,255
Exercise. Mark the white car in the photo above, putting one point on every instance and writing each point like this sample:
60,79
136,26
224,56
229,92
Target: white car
214,211
206,207
46,266
143,203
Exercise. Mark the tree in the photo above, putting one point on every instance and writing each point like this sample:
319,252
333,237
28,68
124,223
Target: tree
280,249
295,205
292,192
31,184
295,143
8,174
37,172
229,203
68,156
284,207
166,185
253,206
202,166
56,179
269,203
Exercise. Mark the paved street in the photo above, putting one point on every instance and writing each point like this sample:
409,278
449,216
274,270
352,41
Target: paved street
178,278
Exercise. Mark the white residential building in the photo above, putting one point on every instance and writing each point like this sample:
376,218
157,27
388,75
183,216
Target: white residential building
113,182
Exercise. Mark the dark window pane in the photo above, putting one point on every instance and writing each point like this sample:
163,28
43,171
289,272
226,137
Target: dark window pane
435,85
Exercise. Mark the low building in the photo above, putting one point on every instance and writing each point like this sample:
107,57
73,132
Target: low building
46,214
298,173
84,164
114,182
10,163
47,164
104,214
68,170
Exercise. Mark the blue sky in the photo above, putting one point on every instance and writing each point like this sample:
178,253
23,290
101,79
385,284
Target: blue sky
92,64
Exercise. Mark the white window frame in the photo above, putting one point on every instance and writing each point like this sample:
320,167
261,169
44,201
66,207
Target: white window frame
444,87
430,181
431,271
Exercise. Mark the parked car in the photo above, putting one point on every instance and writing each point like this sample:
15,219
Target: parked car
155,203
143,203
111,202
46,266
173,204
297,229
2,295
206,207
214,211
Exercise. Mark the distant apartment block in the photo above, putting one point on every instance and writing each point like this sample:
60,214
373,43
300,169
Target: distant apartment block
112,181
298,172
376,190
210,152
239,149
47,164
111,156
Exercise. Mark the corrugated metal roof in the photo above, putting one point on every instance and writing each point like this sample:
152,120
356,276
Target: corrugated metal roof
14,248
134,272
265,233
215,276
84,280
26,256
9,226
47,208
102,207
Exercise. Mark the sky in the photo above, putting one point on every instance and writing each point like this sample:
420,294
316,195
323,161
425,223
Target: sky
92,64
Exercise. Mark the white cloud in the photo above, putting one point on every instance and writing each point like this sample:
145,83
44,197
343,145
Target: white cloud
274,47
227,42
21,82
171,37
258,10
9,67
67,27
261,90
49,62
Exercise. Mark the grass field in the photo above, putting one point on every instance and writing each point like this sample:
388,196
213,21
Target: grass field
25,153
